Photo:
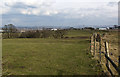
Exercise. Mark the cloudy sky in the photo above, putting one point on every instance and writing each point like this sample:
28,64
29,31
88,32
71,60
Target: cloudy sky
59,12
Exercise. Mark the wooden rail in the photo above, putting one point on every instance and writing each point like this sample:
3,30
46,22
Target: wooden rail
114,65
109,61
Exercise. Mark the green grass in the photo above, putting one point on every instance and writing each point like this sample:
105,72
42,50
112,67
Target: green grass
74,33
47,57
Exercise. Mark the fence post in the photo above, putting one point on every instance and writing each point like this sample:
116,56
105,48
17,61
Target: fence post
119,65
91,45
107,53
94,44
100,48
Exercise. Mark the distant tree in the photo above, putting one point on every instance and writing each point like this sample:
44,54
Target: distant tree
9,30
36,34
115,26
91,28
71,28
59,34
118,27
30,34
97,28
46,33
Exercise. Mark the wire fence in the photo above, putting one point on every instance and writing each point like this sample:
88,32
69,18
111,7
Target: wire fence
100,50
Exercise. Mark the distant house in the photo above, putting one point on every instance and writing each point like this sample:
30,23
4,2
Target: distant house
22,31
1,31
54,29
103,28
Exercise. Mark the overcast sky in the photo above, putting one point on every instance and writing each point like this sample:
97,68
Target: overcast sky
59,12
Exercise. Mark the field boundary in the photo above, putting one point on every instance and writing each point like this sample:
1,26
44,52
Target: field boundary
100,51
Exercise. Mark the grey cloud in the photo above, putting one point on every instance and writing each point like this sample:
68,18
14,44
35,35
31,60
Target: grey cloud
74,16
22,5
31,20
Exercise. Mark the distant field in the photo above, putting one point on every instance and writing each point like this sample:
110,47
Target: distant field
48,56
74,33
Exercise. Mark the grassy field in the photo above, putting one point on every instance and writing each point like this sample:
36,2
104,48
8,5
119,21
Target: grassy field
48,56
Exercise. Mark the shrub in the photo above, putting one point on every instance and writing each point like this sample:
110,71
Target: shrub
59,34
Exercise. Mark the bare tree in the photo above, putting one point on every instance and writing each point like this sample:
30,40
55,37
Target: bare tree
9,29
59,34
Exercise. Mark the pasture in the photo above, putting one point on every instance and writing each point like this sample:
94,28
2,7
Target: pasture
48,56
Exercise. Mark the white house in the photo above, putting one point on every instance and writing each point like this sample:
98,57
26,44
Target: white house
102,28
22,31
54,29
1,31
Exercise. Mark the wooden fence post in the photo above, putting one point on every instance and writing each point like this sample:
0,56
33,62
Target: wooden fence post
91,45
94,44
119,64
100,43
107,53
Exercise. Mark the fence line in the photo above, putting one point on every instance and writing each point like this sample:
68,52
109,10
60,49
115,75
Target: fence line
97,38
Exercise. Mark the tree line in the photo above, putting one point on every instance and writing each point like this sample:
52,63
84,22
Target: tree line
10,31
